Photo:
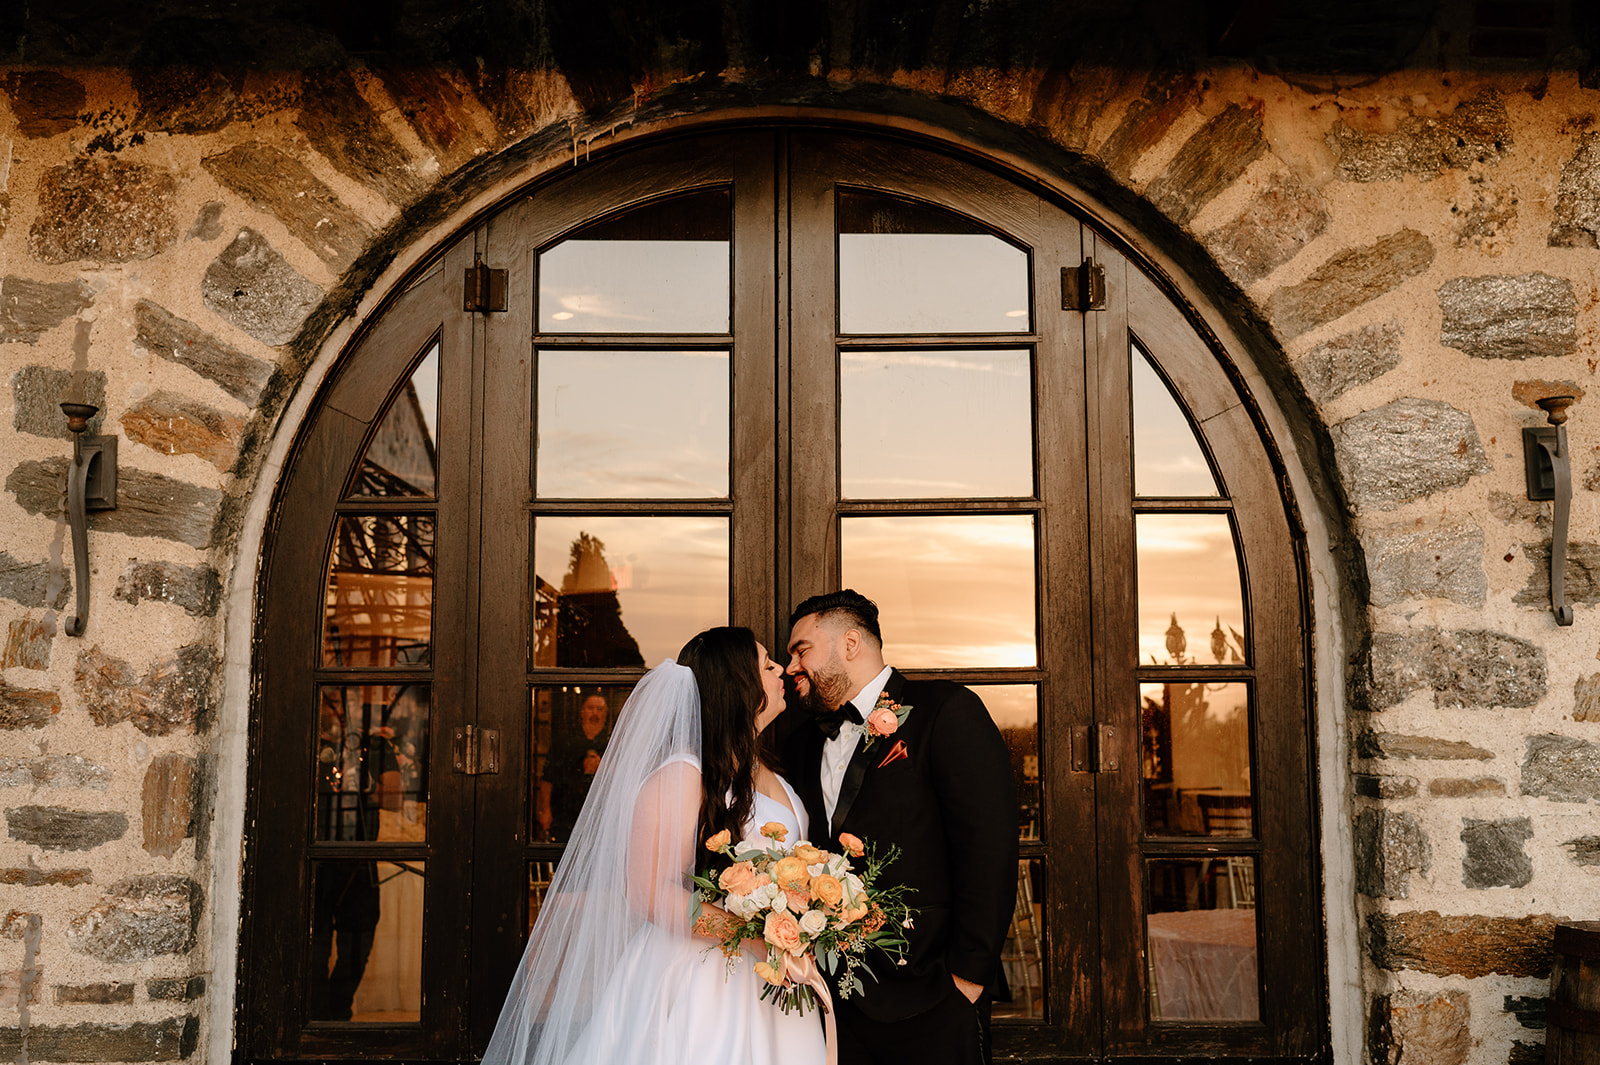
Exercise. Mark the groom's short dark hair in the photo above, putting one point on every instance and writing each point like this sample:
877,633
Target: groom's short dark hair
861,612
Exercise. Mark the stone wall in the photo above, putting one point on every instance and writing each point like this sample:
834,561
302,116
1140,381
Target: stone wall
1422,245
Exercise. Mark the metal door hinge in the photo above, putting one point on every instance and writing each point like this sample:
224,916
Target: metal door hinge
475,751
1083,287
484,289
1094,749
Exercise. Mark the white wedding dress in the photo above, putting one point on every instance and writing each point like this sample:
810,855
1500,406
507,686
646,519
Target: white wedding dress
673,1001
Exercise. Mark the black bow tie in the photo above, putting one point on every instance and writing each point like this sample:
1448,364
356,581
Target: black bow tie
830,721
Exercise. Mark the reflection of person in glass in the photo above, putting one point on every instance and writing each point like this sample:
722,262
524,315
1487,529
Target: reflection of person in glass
570,767
935,781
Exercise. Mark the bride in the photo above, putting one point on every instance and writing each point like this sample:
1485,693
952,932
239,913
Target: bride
613,972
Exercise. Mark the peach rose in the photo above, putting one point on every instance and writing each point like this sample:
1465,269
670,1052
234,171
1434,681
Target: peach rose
782,930
852,914
719,841
798,900
852,844
791,872
738,878
775,830
809,854
882,722
760,882
770,973
827,890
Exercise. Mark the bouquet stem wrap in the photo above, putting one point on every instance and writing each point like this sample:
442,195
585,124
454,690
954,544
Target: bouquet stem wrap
803,970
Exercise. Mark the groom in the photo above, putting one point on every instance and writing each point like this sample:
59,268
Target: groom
940,787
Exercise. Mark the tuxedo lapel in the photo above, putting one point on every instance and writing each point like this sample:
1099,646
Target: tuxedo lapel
805,774
856,771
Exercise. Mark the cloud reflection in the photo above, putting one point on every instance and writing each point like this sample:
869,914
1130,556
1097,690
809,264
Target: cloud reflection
1187,567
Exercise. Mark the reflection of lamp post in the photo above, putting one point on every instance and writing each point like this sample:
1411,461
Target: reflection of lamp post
1176,641
1219,642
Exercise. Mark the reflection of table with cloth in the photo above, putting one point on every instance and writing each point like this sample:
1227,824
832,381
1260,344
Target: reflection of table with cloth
1203,965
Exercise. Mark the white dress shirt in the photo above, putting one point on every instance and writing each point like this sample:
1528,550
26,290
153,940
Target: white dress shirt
837,752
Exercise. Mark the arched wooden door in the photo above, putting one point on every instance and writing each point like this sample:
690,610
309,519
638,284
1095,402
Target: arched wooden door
734,370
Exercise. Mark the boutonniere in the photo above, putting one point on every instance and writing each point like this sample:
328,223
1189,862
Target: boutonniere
885,720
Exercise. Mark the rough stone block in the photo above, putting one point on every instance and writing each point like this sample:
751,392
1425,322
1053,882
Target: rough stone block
102,209
439,105
282,186
1495,857
1577,216
31,308
36,877
1209,161
148,504
1525,1053
176,990
53,771
1477,131
1562,769
256,289
175,692
141,917
16,925
1330,370
242,376
1525,317
1374,786
1390,847
1471,667
1488,220
1470,946
27,645
1420,1028
1167,96
37,392
93,994
55,828
1586,698
208,223
44,102
1530,392
1443,563
1529,1010
170,1040
1373,744
168,804
344,129
188,73
1406,450
1585,850
198,589
29,582
175,425
1277,222
1582,582
1348,280
1466,787
27,707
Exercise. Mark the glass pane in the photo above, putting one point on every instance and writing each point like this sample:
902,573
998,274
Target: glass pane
1167,459
366,942
403,458
379,610
1188,583
1023,953
539,877
625,591
1202,937
660,268
908,267
1195,759
633,424
1015,709
571,727
372,762
942,424
952,591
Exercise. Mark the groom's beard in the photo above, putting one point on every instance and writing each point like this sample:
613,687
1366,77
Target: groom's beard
828,690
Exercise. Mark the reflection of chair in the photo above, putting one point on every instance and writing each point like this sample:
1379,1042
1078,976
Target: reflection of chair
1023,955
539,874
1242,883
1224,815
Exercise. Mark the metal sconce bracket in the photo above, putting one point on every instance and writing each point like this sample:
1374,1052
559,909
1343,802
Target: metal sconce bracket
1547,463
91,485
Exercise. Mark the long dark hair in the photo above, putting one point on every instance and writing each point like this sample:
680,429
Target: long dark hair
724,661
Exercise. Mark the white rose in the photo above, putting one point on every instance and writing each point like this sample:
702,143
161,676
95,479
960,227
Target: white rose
853,882
779,903
813,922
838,867
818,869
741,905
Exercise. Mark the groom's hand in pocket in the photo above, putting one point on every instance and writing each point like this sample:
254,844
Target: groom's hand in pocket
967,988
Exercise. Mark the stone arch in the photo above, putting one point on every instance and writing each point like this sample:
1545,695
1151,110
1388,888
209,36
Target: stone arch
1148,224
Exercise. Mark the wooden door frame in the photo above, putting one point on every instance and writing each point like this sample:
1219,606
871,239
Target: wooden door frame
1240,345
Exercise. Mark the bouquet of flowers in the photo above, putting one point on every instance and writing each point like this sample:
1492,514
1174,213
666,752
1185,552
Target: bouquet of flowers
810,907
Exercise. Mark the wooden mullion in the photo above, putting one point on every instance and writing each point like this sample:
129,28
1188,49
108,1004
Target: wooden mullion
624,507
958,341
633,341
850,508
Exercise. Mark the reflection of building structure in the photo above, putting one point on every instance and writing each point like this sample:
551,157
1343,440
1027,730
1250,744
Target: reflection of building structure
402,459
380,592
589,630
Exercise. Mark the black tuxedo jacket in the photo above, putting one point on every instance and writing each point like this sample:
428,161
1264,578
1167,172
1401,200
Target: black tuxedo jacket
950,805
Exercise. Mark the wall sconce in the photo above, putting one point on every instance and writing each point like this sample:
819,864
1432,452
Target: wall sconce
1548,464
91,485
